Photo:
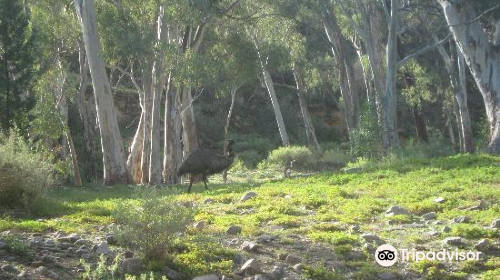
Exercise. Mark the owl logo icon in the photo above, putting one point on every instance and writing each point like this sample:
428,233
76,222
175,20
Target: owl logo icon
386,255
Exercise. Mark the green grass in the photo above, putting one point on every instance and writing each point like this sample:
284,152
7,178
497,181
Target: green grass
321,207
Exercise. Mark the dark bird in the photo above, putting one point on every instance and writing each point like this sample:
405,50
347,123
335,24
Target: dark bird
206,162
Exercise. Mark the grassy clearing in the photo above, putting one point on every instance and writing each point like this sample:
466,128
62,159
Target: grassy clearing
321,207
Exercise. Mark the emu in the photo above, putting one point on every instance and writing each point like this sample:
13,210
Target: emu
206,162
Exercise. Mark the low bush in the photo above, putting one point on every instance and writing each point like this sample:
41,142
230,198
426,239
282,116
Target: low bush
151,225
24,175
281,157
333,159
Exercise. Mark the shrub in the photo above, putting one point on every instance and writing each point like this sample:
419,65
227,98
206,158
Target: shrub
151,225
335,158
281,157
24,175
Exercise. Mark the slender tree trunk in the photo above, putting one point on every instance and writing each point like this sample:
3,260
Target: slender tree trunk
190,137
135,156
390,135
62,107
453,142
481,56
312,140
172,148
345,65
465,127
86,107
234,90
148,88
115,170
419,123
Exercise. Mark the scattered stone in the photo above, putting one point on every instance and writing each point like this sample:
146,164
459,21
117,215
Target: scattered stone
187,204
8,268
24,275
387,276
495,224
355,228
233,230
199,225
287,196
369,247
250,267
247,196
455,241
265,238
446,229
208,201
460,220
225,278
282,256
483,245
298,267
41,270
371,237
293,259
103,249
207,277
132,266
48,259
81,242
396,210
111,239
239,259
249,246
171,274
433,234
3,245
260,277
439,200
277,272
429,216
412,275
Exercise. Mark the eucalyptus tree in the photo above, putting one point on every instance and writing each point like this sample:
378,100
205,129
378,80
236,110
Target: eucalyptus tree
115,170
17,64
480,49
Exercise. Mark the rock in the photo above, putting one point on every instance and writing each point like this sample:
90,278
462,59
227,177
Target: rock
265,238
371,237
483,245
260,277
429,216
52,275
298,267
48,259
199,225
387,276
460,219
81,252
249,246
292,259
111,239
3,245
102,249
81,242
355,228
10,269
233,230
439,200
282,256
396,210
433,234
277,272
3,253
225,278
208,201
455,241
171,274
207,277
132,266
24,275
446,229
250,267
495,224
247,196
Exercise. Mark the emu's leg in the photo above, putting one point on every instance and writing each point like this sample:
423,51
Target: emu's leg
190,183
205,181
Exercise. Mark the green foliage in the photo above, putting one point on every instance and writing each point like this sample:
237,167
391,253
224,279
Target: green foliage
319,273
281,157
18,247
24,175
17,64
151,225
364,140
103,270
334,158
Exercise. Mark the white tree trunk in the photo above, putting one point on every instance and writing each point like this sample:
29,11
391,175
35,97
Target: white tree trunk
312,140
148,88
190,137
234,90
115,170
481,56
276,106
172,148
135,156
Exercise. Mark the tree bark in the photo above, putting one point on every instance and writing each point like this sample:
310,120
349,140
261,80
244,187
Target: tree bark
190,137
172,148
115,170
419,123
148,89
345,66
135,156
312,140
234,90
482,57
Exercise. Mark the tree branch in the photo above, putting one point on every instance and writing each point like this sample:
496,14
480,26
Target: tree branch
423,50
